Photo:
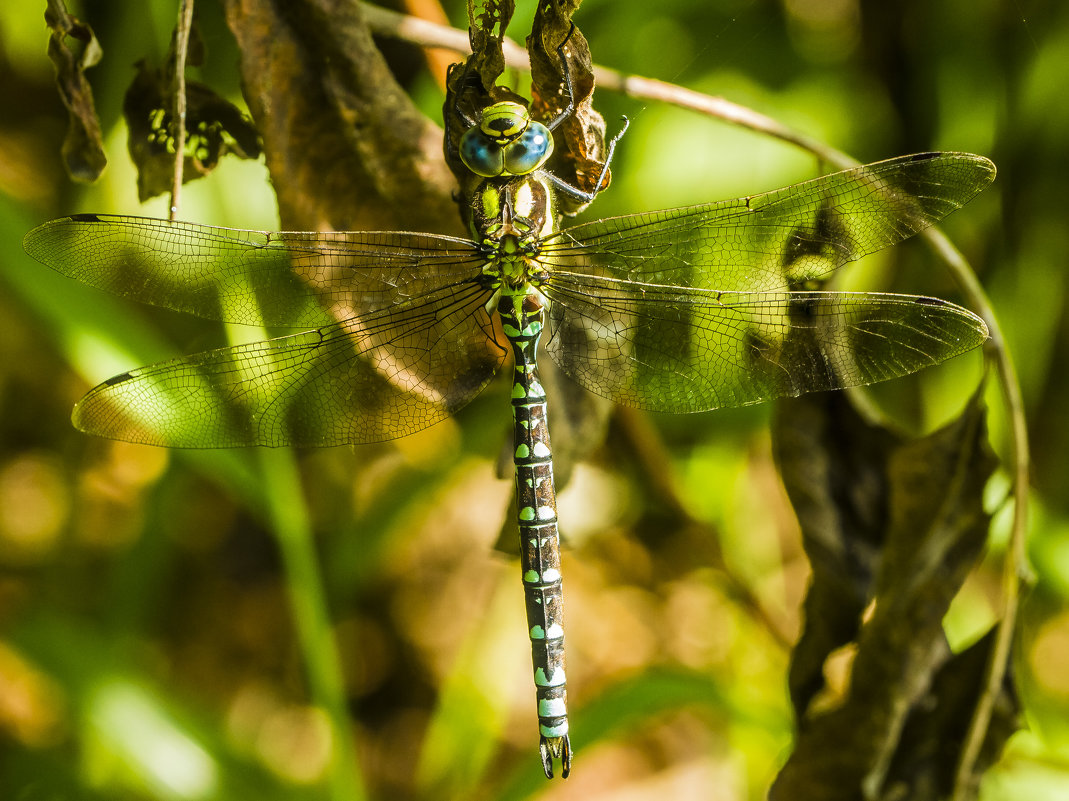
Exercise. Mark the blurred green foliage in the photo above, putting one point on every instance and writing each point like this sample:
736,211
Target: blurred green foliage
166,618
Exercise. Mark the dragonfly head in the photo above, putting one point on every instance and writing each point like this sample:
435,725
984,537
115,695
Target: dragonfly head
506,142
503,122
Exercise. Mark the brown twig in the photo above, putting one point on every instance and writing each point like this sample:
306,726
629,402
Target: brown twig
1015,568
185,22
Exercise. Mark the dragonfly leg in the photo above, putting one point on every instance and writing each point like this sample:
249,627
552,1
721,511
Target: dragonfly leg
574,191
566,71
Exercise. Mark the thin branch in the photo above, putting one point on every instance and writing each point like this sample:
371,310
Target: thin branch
429,34
1015,568
181,50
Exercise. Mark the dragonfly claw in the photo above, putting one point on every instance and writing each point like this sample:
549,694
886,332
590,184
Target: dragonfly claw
556,748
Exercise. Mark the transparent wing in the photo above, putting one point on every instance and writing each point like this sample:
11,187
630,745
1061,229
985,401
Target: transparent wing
708,306
369,378
779,239
686,350
287,278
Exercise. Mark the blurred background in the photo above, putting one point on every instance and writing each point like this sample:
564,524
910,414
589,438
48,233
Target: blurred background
214,625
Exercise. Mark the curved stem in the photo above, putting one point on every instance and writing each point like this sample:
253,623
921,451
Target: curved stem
288,516
1015,564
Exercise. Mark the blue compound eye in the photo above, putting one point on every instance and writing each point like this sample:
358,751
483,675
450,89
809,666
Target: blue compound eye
480,155
530,150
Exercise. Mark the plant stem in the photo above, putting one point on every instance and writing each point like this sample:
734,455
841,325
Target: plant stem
289,520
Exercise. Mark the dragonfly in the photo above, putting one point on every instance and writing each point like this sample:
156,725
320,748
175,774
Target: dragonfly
681,310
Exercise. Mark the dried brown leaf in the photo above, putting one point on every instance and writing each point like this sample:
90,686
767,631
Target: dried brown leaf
930,535
833,463
214,128
83,147
580,153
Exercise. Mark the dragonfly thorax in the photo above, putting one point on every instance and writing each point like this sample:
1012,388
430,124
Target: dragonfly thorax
509,218
509,261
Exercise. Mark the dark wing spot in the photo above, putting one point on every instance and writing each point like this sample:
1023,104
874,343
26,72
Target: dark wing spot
117,379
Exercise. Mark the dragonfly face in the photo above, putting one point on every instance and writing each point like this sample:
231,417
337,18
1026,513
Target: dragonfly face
506,142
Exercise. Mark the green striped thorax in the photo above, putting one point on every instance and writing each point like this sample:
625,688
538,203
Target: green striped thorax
513,207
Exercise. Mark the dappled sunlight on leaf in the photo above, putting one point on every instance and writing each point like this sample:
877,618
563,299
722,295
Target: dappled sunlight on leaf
135,743
111,494
1049,654
295,742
